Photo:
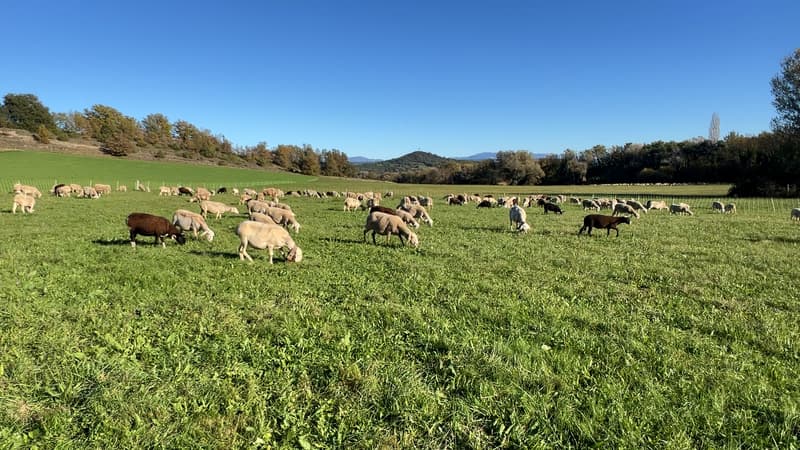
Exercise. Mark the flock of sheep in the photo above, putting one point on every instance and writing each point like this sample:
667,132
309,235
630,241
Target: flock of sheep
269,220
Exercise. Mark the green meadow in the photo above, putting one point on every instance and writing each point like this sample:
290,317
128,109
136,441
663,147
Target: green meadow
681,333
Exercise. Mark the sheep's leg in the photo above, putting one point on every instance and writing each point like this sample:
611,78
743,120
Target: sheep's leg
271,252
373,238
581,230
617,230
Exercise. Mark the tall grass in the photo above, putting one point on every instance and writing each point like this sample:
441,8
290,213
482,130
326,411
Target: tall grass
681,333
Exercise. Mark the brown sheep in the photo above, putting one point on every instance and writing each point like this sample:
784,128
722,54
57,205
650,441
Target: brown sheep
600,221
150,225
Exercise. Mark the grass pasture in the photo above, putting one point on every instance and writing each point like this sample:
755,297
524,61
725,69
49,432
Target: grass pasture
681,333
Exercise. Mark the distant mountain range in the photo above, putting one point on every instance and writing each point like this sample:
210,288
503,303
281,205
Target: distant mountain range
421,159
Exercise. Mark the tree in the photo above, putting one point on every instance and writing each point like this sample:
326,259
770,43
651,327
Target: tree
309,161
157,129
786,90
713,129
107,124
519,167
336,164
25,111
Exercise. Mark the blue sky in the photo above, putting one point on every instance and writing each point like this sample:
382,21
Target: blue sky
381,79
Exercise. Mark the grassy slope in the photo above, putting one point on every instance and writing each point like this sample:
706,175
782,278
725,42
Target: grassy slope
681,333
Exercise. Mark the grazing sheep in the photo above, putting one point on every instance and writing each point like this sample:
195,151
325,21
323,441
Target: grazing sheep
188,220
455,201
351,204
717,206
257,206
387,225
183,190
261,235
383,209
518,219
418,212
62,190
600,221
590,204
164,190
102,188
263,218
27,190
486,203
216,208
150,225
235,191
548,206
274,204
730,208
795,214
656,204
407,217
680,208
624,208
222,190
26,202
283,217
90,192
637,206
427,202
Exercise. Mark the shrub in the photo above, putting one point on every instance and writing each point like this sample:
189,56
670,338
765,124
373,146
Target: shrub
43,134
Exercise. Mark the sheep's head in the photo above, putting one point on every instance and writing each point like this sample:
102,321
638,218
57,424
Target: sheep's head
524,227
179,238
210,235
295,255
625,220
413,240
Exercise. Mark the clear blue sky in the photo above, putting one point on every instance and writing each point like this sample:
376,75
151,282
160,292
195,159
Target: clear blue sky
383,78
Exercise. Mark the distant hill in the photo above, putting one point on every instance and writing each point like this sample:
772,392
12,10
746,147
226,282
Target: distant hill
478,156
411,161
362,160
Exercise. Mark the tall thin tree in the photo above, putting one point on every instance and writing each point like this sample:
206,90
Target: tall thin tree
713,129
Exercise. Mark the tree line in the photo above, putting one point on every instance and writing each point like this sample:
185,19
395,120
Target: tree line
764,165
122,135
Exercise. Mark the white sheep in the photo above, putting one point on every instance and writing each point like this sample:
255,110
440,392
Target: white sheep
407,217
656,204
261,236
624,208
283,217
717,206
351,204
102,188
263,218
189,220
216,208
90,192
254,205
636,205
590,204
680,208
165,190
26,202
387,225
28,190
795,215
418,212
518,219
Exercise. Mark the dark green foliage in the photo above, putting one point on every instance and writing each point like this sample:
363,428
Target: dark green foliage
110,126
786,92
25,111
43,135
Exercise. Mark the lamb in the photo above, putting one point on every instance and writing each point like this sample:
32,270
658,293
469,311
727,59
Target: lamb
600,221
26,202
418,212
548,206
387,225
680,208
284,217
518,219
590,204
717,206
216,208
27,190
150,225
795,214
730,208
188,220
624,208
261,236
656,204
263,218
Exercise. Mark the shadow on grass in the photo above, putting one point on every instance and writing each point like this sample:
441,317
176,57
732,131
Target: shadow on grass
493,229
217,254
779,239
118,241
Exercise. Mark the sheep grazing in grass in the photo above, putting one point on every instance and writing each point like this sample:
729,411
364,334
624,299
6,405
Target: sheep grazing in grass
418,212
636,205
486,203
717,207
387,225
548,206
90,192
407,217
164,190
26,202
62,190
222,190
730,208
102,188
27,190
283,217
261,235
600,221
254,205
795,214
680,208
351,204
191,221
149,225
656,204
518,219
590,204
183,190
216,208
624,208
263,218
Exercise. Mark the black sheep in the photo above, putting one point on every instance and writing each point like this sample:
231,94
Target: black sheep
552,207
150,225
601,221
183,190
222,190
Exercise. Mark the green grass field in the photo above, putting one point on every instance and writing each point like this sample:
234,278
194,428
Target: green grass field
681,333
